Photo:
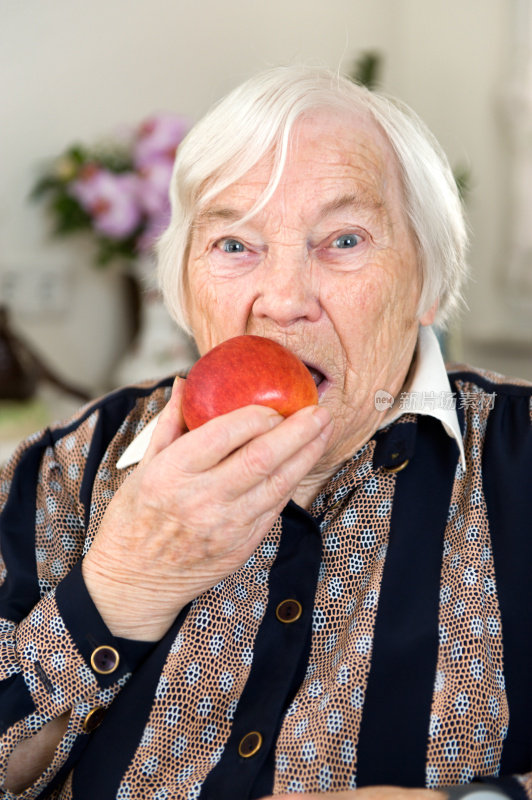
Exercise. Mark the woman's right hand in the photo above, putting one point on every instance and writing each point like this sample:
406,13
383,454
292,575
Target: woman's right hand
195,509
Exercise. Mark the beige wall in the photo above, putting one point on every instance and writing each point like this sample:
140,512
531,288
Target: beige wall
73,70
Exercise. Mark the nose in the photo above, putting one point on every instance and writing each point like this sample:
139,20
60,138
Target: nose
288,292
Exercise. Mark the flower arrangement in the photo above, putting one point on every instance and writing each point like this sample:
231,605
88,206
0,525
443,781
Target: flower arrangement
118,189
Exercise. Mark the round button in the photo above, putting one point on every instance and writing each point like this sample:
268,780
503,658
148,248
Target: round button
398,468
105,660
93,719
250,744
289,610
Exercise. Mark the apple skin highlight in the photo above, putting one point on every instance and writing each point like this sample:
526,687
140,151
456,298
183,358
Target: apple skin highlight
242,371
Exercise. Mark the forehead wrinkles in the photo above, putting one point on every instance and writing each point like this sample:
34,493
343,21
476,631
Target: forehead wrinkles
346,137
334,155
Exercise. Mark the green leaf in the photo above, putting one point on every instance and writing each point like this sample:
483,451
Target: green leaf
366,69
69,215
462,176
78,153
111,249
43,186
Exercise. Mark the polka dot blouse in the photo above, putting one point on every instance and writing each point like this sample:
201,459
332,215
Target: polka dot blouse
383,637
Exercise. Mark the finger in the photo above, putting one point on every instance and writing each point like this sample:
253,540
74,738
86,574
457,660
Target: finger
212,442
261,458
270,495
170,424
291,473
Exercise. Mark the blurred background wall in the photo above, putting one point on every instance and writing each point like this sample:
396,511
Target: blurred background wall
74,71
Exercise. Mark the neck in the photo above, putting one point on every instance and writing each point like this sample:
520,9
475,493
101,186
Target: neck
310,487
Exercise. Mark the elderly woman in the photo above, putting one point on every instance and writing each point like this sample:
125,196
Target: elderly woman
318,604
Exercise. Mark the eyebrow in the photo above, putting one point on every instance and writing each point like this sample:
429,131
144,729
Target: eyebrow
356,200
218,212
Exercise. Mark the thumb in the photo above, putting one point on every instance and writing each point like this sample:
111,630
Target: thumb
170,425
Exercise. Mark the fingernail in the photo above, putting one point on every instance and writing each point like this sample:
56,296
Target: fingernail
322,415
327,430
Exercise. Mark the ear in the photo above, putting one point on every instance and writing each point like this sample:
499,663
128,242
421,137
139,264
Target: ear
428,317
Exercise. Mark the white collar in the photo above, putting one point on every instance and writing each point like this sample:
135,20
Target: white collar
427,386
428,391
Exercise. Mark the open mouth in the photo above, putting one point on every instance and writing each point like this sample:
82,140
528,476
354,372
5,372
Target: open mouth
319,379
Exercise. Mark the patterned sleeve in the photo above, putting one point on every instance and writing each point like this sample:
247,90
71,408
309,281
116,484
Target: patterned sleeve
526,783
56,653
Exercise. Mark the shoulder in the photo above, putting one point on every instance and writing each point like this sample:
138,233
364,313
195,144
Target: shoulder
137,402
69,446
495,414
491,397
464,377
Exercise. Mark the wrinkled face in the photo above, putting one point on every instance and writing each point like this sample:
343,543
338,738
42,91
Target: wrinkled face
328,268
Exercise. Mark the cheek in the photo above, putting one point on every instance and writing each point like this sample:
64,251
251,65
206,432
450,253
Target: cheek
382,302
393,289
201,304
363,302
216,309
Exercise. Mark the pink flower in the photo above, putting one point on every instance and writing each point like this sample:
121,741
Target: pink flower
159,136
154,182
151,233
111,199
85,187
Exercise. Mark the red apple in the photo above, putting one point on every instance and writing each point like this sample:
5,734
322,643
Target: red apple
245,370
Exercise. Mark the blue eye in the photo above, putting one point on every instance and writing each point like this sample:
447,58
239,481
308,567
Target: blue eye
346,240
232,246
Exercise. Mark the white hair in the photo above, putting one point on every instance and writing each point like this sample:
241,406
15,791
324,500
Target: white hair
256,119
